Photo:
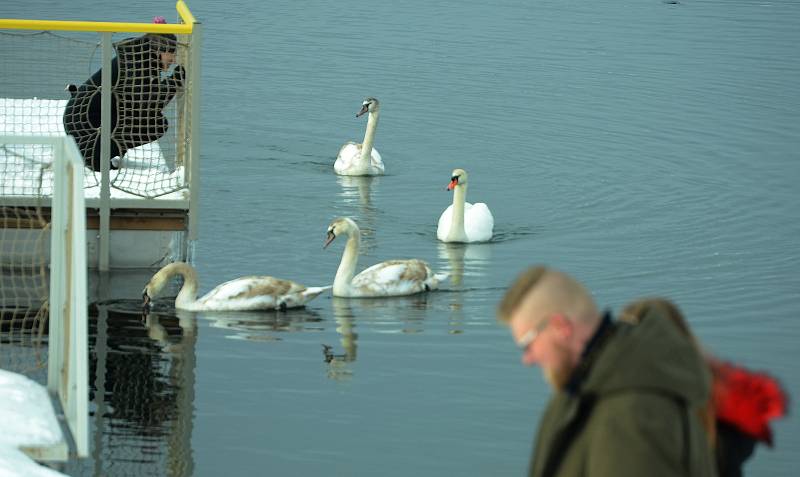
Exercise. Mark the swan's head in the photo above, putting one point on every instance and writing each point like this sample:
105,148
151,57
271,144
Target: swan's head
339,226
152,289
370,104
156,284
457,178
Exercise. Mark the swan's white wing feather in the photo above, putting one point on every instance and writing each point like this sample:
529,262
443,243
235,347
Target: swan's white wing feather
392,278
347,157
478,222
347,161
376,161
254,293
444,223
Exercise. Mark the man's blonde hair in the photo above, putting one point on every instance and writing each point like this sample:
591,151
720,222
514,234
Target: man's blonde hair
518,290
560,293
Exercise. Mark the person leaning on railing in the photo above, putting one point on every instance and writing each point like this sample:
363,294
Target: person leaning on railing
139,93
742,402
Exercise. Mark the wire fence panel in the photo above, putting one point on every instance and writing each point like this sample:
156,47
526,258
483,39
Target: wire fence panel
51,85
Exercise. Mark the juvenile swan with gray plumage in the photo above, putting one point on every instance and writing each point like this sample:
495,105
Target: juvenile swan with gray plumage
390,278
240,294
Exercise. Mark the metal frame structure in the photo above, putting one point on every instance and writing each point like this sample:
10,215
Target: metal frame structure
105,203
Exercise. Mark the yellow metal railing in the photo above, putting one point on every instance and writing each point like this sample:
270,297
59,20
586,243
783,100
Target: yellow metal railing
184,28
185,14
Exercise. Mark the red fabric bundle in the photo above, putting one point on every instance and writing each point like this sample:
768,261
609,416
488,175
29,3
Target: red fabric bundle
747,400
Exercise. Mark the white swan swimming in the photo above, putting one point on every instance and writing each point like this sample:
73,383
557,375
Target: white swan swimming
390,278
462,221
362,159
245,293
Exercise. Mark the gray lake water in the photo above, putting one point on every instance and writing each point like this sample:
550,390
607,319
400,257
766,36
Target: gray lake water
645,147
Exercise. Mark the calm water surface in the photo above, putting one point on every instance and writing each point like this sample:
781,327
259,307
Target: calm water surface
646,148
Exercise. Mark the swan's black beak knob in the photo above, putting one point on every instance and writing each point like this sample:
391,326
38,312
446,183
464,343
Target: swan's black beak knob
328,239
145,302
327,353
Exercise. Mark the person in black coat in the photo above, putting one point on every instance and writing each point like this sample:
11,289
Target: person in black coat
138,97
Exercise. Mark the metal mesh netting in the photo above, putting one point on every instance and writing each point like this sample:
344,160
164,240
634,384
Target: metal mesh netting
24,278
23,342
51,84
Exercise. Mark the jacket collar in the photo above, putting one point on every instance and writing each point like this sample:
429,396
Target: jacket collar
568,408
590,352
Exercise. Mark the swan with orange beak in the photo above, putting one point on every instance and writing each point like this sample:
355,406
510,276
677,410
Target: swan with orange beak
462,221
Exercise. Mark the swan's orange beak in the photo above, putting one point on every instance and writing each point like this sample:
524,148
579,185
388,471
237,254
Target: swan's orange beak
364,109
331,236
453,183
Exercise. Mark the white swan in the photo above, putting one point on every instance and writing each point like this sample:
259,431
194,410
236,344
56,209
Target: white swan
390,278
462,221
362,159
245,293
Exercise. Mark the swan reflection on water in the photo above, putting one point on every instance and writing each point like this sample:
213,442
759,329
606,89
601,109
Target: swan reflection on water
357,190
402,314
357,202
338,363
343,314
262,326
158,333
461,259
463,262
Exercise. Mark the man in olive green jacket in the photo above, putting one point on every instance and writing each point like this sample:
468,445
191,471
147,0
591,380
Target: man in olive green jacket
626,397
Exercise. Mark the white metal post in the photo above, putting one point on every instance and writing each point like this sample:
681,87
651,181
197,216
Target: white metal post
58,252
79,355
194,140
105,153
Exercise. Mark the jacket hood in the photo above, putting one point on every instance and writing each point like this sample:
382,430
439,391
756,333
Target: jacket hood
652,356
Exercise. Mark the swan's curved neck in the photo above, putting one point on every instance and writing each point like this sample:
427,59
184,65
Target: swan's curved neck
188,294
369,139
347,267
457,232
